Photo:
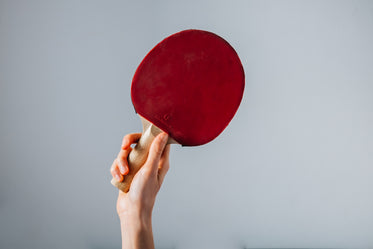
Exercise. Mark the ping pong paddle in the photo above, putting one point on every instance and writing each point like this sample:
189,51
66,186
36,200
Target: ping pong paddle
190,86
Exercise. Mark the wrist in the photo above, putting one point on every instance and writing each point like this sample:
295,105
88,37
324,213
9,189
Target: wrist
134,211
135,219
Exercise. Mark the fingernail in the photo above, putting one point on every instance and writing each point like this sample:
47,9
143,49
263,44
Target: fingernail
122,169
118,177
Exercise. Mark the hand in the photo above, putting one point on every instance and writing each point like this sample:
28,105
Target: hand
140,199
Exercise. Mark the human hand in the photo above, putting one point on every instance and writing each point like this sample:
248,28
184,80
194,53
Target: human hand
140,199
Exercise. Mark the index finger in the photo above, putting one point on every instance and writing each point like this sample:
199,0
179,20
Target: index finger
130,139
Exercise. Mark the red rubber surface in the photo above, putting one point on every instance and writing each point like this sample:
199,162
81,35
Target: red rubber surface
190,85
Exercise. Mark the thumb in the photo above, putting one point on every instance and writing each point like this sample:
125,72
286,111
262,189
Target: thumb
155,152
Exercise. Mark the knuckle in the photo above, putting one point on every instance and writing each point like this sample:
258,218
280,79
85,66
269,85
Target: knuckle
124,140
146,171
158,150
113,167
126,137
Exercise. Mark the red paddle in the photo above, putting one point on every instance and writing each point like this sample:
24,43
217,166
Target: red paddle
190,85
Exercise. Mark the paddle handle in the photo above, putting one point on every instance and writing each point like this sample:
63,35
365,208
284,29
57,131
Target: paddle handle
138,156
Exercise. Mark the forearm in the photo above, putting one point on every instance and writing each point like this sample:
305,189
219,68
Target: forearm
135,207
136,232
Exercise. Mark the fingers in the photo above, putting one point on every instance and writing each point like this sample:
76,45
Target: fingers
122,161
130,139
120,164
164,164
155,152
114,170
126,149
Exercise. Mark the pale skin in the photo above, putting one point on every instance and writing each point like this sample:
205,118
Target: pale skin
135,207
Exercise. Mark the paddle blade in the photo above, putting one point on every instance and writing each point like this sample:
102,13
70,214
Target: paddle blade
190,85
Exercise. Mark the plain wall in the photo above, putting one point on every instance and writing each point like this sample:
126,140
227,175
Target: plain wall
293,169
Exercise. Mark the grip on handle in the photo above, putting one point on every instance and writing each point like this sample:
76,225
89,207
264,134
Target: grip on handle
138,155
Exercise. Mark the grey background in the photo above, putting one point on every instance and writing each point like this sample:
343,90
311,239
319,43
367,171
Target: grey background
293,169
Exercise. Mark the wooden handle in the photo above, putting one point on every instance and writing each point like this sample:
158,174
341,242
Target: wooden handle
138,155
